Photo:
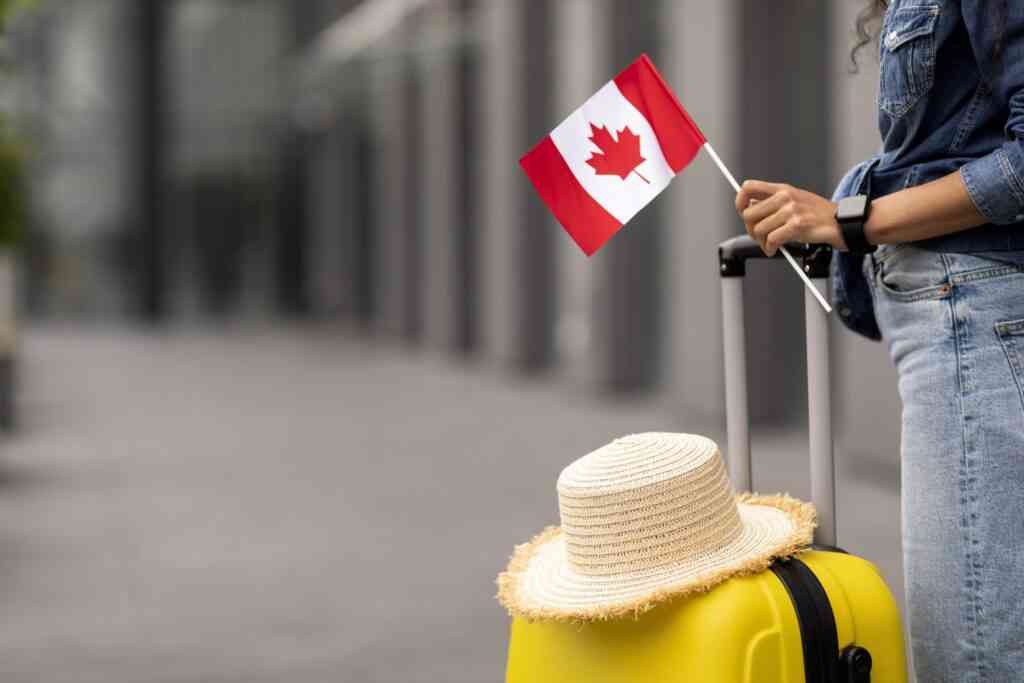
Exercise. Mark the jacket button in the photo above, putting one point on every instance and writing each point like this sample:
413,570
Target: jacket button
845,311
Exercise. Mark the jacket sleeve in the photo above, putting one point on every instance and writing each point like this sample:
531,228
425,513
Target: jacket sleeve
996,182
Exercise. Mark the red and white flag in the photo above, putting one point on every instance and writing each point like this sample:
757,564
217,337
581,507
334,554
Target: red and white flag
613,155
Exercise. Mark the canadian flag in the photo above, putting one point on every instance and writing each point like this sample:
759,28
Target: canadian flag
613,155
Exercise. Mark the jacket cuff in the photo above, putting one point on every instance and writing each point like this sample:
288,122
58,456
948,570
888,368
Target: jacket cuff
995,186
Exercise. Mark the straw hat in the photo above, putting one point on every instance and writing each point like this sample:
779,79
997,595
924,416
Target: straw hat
645,519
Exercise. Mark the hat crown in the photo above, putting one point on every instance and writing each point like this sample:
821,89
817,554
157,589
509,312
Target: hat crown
645,501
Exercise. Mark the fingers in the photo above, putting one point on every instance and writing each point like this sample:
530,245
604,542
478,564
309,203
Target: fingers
778,238
769,211
760,210
756,189
766,227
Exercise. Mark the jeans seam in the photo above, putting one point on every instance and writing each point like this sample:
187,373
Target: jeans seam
986,273
1009,327
870,260
931,293
927,293
1004,333
971,588
880,256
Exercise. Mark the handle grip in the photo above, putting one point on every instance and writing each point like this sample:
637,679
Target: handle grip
733,255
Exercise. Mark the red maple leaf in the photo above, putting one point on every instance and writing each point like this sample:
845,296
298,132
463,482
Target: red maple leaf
619,157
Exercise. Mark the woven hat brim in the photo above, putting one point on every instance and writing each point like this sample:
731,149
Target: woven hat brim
539,584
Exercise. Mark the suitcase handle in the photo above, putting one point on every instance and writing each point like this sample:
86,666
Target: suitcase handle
732,257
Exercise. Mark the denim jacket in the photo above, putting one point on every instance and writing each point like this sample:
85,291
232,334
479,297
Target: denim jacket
951,97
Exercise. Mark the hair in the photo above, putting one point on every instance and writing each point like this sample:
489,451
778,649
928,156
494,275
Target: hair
869,23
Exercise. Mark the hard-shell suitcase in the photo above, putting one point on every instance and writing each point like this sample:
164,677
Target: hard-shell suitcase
821,617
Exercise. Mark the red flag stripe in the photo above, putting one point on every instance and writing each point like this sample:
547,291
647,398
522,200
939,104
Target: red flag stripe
589,224
678,136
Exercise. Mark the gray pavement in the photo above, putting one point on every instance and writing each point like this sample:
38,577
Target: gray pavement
300,505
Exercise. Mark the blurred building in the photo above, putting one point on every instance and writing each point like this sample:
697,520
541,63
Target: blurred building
356,162
335,497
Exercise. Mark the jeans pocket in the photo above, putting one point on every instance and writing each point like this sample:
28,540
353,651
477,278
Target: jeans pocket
1011,337
906,272
907,56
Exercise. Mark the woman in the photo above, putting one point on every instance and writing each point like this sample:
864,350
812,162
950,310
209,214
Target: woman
945,289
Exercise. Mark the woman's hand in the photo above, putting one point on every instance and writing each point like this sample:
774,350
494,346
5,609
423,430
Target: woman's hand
775,214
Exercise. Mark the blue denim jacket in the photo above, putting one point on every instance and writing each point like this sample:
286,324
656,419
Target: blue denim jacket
951,97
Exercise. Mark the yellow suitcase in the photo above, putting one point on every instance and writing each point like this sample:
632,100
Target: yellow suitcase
767,628
821,617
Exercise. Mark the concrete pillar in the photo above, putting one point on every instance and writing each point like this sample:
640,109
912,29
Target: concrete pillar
439,148
359,216
293,192
392,272
701,63
151,128
517,242
630,299
537,264
328,245
94,153
583,65
501,140
331,191
468,264
786,109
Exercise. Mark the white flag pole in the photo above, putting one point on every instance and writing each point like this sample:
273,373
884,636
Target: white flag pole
785,252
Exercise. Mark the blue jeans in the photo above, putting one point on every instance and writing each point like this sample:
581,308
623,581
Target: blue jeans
954,325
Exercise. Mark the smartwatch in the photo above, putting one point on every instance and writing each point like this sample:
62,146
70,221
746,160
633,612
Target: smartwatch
852,215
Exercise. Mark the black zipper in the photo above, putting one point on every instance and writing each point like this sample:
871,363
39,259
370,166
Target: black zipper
817,621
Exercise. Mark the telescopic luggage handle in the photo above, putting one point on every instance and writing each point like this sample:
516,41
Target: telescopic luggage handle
733,255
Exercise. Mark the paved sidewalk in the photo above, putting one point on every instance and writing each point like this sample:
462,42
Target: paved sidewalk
297,506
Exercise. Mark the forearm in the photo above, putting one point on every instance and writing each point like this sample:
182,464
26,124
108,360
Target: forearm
937,208
776,213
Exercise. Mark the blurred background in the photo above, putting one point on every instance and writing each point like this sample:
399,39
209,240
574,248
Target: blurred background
297,353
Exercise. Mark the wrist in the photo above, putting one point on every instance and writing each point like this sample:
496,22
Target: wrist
878,228
837,241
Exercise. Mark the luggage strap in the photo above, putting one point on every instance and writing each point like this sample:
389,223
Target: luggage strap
823,663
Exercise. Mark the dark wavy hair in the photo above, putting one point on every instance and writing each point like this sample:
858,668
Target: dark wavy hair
869,21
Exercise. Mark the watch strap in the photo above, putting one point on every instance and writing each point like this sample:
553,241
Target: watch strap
853,235
852,229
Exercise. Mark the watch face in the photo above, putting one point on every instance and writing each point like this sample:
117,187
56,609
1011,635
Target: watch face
852,208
